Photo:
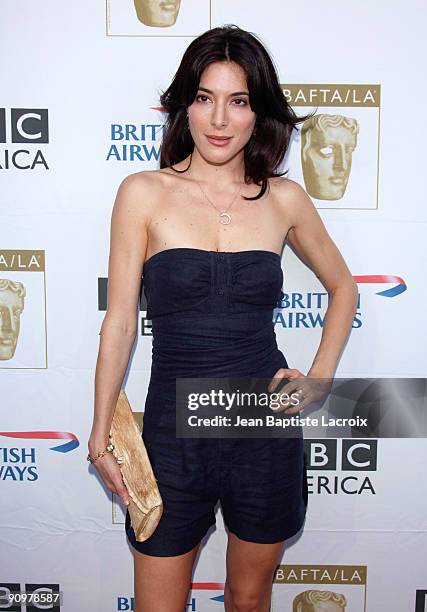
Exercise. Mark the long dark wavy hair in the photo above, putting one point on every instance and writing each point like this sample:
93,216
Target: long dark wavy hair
275,119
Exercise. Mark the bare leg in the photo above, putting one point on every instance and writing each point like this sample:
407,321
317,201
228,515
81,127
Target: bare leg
162,584
250,573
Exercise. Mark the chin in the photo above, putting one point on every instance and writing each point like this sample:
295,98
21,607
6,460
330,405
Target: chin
217,153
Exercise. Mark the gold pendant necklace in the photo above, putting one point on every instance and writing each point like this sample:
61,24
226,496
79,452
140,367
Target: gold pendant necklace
224,216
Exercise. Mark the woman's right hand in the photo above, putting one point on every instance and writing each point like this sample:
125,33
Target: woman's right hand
110,472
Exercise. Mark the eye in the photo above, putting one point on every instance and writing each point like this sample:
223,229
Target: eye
201,96
240,100
326,151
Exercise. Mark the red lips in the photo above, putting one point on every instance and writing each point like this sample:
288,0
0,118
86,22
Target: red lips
219,141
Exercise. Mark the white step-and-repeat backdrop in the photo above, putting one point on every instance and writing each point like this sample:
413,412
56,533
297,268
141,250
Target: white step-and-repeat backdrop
79,111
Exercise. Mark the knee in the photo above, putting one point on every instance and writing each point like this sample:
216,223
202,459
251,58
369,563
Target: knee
245,600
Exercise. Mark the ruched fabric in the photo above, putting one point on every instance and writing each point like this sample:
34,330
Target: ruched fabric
211,315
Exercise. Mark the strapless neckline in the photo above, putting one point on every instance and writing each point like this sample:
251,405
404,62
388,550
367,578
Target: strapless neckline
207,252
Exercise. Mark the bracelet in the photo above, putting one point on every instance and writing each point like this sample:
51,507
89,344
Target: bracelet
108,449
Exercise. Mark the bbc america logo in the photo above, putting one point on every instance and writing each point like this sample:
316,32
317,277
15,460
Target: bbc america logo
24,125
15,597
353,455
341,467
29,128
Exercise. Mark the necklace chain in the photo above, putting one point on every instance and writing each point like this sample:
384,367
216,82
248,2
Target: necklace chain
224,217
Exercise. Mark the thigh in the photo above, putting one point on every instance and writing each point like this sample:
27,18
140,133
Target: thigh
162,583
250,571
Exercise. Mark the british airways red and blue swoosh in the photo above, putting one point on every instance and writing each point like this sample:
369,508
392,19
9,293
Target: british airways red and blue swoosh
47,435
399,284
210,586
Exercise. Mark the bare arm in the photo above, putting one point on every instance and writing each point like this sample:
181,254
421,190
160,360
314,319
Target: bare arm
312,243
128,242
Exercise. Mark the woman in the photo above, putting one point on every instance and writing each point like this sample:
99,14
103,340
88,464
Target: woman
207,232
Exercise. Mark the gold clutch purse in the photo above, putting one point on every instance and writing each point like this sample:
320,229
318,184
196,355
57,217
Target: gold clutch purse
145,505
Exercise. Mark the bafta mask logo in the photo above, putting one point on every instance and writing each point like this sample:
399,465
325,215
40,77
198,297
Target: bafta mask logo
157,13
327,145
319,601
11,306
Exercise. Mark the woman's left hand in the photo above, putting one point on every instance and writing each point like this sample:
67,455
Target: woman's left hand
300,391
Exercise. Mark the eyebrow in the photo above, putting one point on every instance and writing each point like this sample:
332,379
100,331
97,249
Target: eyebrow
236,93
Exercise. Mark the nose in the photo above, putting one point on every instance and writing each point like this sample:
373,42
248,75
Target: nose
341,160
7,321
219,116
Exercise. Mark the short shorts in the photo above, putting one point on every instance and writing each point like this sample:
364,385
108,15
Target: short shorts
260,483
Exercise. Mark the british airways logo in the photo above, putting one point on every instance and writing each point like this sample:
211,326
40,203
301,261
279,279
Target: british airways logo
307,309
210,586
194,604
47,435
136,142
399,285
19,463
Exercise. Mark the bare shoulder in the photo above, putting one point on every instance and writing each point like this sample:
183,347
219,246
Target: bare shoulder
140,183
137,195
292,200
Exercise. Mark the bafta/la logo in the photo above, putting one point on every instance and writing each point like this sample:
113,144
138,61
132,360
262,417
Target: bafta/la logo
320,587
25,126
155,18
23,309
334,154
157,14
327,145
319,601
12,294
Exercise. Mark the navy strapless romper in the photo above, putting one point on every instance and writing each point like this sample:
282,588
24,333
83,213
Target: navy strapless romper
211,315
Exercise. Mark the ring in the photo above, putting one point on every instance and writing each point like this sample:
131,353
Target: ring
300,392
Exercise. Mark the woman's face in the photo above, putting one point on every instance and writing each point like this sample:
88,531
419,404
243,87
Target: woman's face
221,108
